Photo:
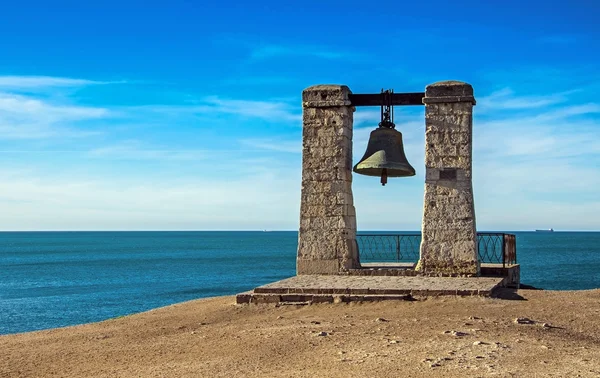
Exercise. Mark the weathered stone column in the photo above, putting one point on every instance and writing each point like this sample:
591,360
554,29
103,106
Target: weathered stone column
327,237
449,237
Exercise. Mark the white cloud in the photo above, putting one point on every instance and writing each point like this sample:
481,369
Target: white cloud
136,150
27,117
506,99
215,105
36,116
41,202
275,51
251,108
29,82
291,146
533,155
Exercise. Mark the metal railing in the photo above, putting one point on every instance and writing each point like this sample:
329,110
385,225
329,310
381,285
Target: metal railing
388,247
494,248
497,248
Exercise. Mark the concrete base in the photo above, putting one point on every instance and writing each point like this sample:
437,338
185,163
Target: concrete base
510,273
337,288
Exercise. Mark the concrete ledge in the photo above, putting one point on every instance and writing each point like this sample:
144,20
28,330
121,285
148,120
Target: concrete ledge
347,288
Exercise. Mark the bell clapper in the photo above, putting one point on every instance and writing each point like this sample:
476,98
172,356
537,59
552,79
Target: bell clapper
383,176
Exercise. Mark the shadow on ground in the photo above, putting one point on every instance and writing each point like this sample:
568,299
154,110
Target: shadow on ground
509,294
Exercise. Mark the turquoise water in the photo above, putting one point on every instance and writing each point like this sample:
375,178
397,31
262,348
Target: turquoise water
54,279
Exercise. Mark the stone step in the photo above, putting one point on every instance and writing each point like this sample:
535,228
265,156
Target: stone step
332,288
305,299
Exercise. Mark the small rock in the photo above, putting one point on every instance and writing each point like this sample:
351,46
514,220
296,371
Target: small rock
314,322
468,324
479,343
546,325
544,347
427,360
393,341
524,321
479,357
381,320
474,318
341,352
455,333
280,317
435,365
322,333
192,333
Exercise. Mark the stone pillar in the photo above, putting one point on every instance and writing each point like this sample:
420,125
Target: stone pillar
327,236
449,236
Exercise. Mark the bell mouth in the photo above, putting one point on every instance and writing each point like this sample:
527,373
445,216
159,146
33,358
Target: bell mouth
377,164
391,172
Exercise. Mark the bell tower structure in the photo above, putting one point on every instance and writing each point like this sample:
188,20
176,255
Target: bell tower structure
327,235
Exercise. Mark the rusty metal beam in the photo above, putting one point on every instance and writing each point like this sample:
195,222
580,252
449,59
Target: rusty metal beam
376,99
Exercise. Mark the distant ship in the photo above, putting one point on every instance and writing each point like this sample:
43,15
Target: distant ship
548,230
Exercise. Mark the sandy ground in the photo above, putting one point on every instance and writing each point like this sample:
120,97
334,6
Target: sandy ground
445,336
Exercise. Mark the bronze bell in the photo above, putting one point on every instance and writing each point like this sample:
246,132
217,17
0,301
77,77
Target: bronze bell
385,152
384,156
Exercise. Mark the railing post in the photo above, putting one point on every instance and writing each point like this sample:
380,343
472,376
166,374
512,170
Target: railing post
504,249
398,247
514,237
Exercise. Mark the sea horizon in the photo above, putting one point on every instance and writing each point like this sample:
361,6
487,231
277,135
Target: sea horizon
276,230
58,278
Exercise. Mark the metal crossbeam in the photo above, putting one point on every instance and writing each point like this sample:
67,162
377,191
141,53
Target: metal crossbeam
376,99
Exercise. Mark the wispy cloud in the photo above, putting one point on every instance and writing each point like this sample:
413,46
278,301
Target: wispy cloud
542,158
27,113
27,117
260,109
291,146
29,82
252,80
44,202
216,105
136,150
506,99
321,52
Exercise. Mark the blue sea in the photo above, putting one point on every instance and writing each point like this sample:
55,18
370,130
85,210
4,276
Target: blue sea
56,279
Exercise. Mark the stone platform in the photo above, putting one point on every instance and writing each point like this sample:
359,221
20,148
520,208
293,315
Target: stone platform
338,288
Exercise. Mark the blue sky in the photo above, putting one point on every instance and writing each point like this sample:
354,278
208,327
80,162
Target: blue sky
187,115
